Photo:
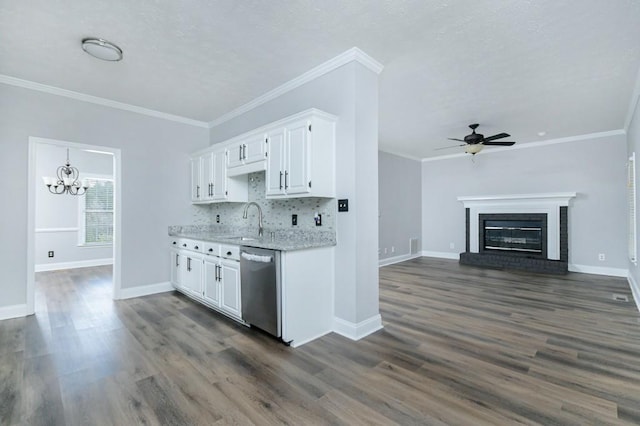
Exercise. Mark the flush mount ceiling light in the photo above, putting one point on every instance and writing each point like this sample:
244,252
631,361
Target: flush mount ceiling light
102,49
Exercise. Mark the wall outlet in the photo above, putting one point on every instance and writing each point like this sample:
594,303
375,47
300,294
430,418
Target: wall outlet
50,254
217,218
318,219
601,257
294,219
452,246
393,249
343,205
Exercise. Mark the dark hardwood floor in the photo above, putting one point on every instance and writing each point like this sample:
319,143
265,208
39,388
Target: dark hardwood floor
461,345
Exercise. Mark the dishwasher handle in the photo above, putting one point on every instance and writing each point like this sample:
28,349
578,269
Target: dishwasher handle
256,257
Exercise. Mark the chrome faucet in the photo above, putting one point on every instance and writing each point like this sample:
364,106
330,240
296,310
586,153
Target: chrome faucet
244,215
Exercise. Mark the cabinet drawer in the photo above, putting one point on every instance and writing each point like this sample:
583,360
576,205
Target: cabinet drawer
187,244
175,242
230,252
212,249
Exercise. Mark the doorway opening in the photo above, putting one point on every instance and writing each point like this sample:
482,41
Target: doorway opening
76,228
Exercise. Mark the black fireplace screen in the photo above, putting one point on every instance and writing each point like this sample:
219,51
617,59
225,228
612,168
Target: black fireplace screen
523,236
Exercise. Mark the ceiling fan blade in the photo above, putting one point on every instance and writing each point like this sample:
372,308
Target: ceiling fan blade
498,143
454,139
498,136
449,147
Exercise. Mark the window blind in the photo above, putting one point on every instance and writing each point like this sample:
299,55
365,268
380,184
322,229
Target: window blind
98,212
631,197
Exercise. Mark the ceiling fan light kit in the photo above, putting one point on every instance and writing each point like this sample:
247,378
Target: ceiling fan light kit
475,142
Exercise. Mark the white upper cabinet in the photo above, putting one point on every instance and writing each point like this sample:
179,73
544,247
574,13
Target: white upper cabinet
275,163
301,158
196,178
247,155
297,153
209,181
219,182
247,151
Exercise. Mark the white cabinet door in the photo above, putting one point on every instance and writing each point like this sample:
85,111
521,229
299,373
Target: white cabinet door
207,176
275,163
247,151
212,282
297,159
219,187
235,155
196,191
254,149
175,268
193,278
230,297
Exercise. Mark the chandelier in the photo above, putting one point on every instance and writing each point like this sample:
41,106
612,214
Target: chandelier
66,180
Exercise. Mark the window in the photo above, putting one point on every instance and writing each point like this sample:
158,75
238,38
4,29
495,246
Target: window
631,197
96,227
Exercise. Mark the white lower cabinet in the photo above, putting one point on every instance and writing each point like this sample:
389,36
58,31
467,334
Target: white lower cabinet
175,267
230,280
208,278
212,282
191,273
222,285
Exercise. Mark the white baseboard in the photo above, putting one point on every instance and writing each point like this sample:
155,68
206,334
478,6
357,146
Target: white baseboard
144,290
13,311
298,343
441,254
598,270
357,331
635,289
71,265
397,259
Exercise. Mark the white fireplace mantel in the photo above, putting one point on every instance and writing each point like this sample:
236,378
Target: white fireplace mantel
557,198
547,203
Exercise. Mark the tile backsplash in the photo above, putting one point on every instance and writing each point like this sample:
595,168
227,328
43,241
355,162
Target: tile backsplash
276,214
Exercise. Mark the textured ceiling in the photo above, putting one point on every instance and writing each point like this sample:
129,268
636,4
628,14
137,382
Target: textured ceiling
564,67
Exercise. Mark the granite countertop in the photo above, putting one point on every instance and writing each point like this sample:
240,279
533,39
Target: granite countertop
283,239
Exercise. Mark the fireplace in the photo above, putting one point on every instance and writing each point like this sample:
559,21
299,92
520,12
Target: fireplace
513,234
527,232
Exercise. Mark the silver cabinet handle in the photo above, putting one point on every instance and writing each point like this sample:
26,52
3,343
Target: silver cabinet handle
286,175
188,264
177,259
198,191
280,180
240,153
244,151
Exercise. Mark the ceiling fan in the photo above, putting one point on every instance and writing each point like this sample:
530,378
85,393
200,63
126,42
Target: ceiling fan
474,142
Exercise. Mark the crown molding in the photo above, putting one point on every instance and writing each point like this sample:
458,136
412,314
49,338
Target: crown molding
353,54
536,144
401,155
26,84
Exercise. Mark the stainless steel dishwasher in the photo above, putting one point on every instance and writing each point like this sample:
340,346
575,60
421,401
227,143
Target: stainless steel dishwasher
260,284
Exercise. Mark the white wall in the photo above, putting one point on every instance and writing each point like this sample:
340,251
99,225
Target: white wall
400,205
351,93
594,168
57,216
155,173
